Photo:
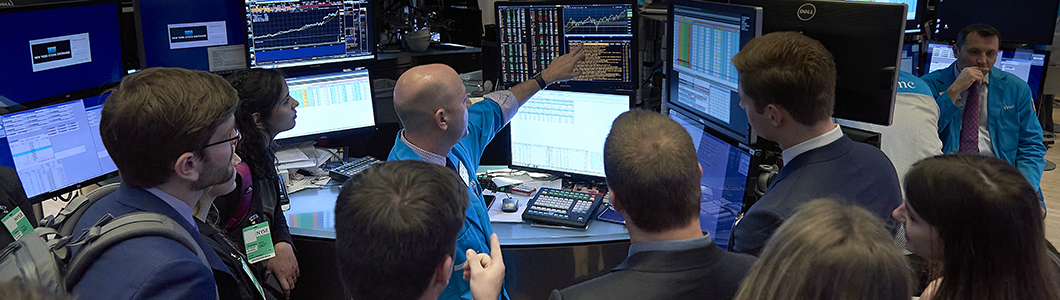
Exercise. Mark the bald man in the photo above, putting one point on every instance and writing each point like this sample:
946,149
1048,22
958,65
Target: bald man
442,127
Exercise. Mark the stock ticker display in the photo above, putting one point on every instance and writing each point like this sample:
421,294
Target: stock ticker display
532,35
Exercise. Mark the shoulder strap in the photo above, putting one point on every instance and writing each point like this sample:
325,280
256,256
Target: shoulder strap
109,232
65,221
246,196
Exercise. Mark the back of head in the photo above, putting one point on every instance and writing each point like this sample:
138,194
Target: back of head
651,165
829,251
421,91
395,222
981,29
989,220
790,70
260,91
156,115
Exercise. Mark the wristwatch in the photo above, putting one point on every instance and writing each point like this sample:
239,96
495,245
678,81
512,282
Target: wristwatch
540,81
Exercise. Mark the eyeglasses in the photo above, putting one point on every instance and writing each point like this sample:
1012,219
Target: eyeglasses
233,140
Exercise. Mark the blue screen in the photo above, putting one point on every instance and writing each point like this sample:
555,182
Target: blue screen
180,33
58,51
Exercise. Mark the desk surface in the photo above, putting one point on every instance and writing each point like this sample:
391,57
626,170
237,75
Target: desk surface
312,214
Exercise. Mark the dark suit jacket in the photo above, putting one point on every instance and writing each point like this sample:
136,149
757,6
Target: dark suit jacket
846,171
699,273
147,267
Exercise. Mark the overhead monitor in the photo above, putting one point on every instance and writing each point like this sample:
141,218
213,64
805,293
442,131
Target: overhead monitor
911,59
532,34
913,15
563,132
704,37
1029,65
56,49
204,35
283,34
55,148
330,103
724,181
1018,21
865,40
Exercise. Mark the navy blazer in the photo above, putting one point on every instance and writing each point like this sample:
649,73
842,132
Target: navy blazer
846,171
700,273
147,267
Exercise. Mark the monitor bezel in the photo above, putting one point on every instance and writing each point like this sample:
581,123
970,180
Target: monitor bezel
142,54
317,65
336,134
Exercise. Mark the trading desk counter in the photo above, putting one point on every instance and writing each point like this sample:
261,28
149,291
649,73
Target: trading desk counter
538,259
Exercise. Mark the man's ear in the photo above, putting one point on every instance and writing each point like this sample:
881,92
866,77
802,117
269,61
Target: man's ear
187,167
776,116
441,119
440,279
615,202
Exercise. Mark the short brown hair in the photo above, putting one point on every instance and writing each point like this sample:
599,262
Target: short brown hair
158,114
983,30
651,165
789,70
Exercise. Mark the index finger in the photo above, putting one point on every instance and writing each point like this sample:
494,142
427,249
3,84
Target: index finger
576,49
495,248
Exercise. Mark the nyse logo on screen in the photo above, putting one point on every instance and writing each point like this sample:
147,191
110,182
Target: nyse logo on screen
51,51
806,12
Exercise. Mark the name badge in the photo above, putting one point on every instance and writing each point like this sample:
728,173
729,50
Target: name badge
258,241
463,174
17,224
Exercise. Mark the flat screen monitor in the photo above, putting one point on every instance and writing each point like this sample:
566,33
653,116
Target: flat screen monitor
724,180
330,103
911,59
532,34
1029,65
55,148
702,79
564,131
914,11
283,34
57,49
205,35
865,40
1018,21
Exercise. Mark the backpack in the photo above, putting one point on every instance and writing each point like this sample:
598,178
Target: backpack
43,257
241,208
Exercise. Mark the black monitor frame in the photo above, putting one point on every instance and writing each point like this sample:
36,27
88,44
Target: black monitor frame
237,7
313,66
865,82
573,85
1025,21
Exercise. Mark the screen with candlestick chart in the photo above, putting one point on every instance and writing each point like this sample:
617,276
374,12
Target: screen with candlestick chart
297,33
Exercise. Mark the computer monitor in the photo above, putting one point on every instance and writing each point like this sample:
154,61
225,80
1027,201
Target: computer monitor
1029,65
204,35
563,132
55,148
330,103
724,181
56,49
702,79
865,40
532,34
1018,21
913,14
283,34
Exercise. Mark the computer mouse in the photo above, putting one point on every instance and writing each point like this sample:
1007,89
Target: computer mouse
509,205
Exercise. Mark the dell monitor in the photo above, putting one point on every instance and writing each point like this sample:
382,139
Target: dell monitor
1029,65
282,34
563,132
330,103
702,79
724,182
205,35
532,34
865,40
1018,21
55,148
55,49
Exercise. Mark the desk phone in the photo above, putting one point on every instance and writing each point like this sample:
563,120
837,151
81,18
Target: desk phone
559,207
347,170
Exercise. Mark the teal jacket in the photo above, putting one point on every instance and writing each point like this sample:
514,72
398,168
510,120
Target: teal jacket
1015,134
484,121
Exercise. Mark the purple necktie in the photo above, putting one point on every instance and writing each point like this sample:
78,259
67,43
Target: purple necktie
970,122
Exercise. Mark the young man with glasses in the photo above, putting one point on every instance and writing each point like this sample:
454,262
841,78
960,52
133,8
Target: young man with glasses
172,134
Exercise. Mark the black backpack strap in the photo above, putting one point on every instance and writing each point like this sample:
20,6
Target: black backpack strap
99,238
67,218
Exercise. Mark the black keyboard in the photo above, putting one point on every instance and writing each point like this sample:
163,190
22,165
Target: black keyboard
559,207
347,170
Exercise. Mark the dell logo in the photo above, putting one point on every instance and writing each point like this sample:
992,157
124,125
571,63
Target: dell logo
806,12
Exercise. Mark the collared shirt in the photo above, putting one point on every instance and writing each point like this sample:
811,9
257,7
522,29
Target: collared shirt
670,245
984,133
181,207
810,144
509,106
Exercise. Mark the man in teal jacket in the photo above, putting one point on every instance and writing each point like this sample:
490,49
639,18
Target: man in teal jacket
444,128
1008,125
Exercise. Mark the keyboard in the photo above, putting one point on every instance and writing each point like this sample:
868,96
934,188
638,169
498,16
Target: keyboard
347,170
559,207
